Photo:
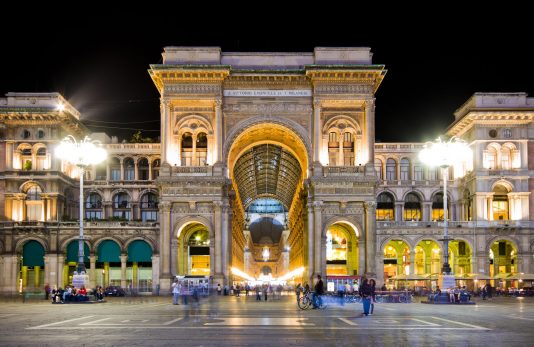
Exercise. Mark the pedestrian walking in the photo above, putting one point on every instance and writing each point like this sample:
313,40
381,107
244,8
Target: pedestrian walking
372,284
365,293
175,292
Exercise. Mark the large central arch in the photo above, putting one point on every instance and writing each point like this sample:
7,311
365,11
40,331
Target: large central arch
270,144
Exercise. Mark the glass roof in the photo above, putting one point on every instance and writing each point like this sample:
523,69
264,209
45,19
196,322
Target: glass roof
267,171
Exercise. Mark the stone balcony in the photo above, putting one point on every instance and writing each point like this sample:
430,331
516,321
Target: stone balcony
504,224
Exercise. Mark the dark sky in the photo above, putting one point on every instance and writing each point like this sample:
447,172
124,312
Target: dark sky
434,61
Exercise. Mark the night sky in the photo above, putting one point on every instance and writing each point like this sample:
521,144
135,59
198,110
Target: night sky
99,62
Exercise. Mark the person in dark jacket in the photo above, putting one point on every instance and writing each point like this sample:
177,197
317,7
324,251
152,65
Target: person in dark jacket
372,284
365,293
319,290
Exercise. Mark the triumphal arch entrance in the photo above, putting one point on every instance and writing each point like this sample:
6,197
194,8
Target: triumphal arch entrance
267,164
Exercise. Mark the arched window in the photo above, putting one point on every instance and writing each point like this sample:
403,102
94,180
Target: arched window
333,148
348,149
34,204
93,206
201,149
149,207
391,170
437,207
155,168
378,169
187,149
412,207
142,168
115,169
129,170
490,156
404,169
121,206
500,205
385,207
418,172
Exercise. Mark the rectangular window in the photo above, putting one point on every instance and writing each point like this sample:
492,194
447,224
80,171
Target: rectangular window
502,248
437,214
384,214
390,173
500,210
115,174
418,172
122,214
412,214
150,216
129,174
93,215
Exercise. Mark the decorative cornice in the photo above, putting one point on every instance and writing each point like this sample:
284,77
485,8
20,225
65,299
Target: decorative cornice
343,89
163,75
511,117
268,108
371,75
192,89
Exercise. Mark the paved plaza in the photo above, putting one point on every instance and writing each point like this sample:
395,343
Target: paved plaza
231,321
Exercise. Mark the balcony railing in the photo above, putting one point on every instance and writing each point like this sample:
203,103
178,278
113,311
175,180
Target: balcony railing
458,224
75,224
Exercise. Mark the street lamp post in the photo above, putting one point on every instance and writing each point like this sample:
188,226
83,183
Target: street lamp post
445,154
82,154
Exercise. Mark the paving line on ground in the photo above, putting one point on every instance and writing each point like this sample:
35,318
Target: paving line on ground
522,318
345,320
460,323
425,322
55,323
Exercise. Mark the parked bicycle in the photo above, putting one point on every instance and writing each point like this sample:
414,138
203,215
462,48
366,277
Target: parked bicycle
305,301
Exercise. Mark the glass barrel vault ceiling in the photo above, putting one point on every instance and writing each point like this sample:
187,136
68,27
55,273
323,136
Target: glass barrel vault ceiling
267,171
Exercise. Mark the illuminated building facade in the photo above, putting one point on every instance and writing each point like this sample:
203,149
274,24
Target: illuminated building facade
267,165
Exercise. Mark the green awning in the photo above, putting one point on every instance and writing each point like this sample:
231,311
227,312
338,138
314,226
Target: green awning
139,251
33,254
72,252
109,252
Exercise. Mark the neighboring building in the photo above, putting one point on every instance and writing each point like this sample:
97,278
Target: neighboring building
268,166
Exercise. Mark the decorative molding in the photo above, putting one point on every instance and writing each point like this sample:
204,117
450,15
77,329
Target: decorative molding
192,89
343,89
268,108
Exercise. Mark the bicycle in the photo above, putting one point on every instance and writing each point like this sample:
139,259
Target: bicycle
306,301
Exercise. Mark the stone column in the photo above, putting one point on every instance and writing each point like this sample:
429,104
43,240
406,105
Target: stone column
124,258
310,243
361,256
165,245
136,170
218,237
92,270
412,261
179,146
155,274
316,130
370,129
194,153
217,155
318,250
150,171
164,109
174,256
226,241
427,216
59,269
340,148
490,207
398,211
370,238
122,168
355,149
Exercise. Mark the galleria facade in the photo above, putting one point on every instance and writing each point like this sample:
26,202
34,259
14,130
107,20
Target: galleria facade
267,167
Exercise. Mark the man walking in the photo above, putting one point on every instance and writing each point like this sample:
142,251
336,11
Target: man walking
319,290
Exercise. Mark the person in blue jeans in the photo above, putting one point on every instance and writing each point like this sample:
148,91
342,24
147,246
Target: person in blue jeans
365,293
319,290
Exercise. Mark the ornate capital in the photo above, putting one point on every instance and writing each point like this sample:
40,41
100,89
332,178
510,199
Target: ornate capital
218,102
369,205
317,104
317,205
165,206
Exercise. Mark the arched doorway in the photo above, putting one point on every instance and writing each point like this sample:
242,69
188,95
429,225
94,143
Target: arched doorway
503,261
108,264
341,250
194,250
139,266
32,269
268,160
396,262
